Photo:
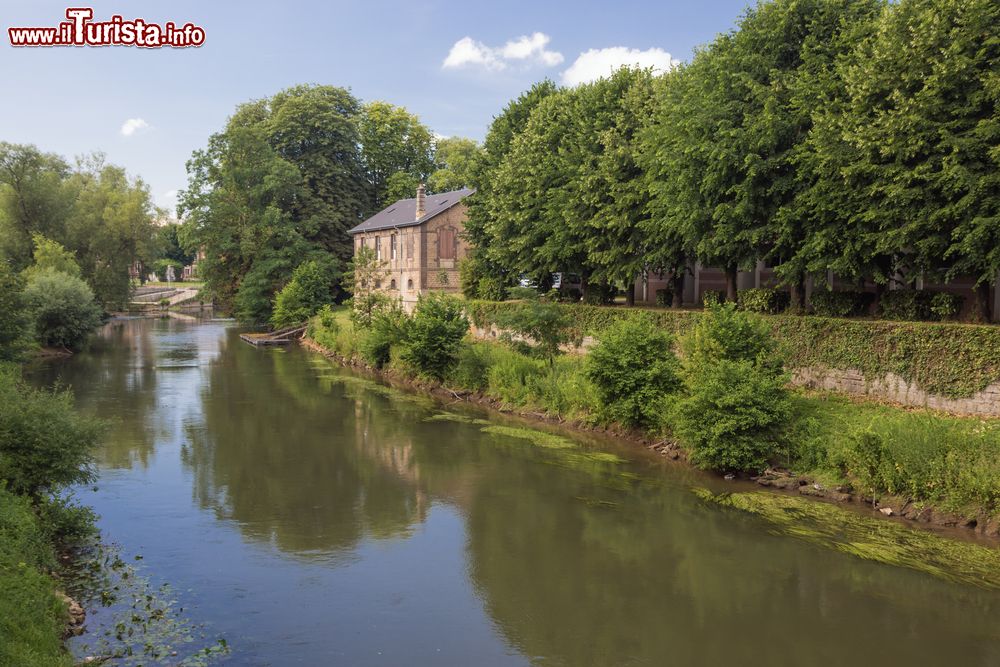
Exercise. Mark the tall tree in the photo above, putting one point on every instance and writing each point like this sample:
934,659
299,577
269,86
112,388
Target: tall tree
921,124
34,199
392,141
454,161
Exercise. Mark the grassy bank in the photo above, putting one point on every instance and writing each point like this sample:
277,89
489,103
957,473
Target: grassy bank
949,462
32,616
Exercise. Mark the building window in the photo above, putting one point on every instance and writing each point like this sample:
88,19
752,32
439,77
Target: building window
378,284
378,249
392,284
446,243
392,246
409,284
362,241
409,246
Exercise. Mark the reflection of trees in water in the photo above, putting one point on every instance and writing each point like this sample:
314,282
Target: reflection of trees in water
294,463
580,573
116,380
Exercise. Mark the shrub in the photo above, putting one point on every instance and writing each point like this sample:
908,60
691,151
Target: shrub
14,322
725,333
62,308
472,368
573,295
597,294
388,328
44,443
713,297
906,304
311,287
492,289
512,376
434,335
736,404
518,293
634,370
763,300
946,306
664,297
544,323
848,303
49,254
733,415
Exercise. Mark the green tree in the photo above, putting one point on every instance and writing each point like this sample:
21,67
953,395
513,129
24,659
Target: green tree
34,199
111,227
51,255
366,273
169,245
722,150
546,324
499,140
916,139
14,322
312,286
392,141
62,308
454,161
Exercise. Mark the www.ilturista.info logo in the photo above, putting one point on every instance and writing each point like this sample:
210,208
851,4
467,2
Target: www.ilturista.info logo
80,30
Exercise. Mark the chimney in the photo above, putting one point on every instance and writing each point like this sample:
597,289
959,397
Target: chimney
420,201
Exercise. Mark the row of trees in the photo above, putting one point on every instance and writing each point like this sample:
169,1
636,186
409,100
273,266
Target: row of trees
101,216
286,178
855,136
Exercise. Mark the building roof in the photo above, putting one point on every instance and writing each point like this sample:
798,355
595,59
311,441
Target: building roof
404,212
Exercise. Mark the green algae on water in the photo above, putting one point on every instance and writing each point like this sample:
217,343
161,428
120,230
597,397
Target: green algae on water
538,438
452,417
869,538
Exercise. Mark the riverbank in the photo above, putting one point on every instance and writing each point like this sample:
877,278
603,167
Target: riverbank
925,466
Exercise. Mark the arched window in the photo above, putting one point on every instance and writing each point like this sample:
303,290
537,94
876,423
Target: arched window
392,246
378,249
378,284
409,284
392,284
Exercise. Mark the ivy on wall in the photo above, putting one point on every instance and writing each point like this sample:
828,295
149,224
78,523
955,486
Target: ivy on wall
947,359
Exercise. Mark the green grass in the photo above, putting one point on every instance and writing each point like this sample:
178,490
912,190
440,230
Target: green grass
32,618
950,462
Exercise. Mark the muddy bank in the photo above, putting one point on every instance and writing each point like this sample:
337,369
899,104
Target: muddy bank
774,480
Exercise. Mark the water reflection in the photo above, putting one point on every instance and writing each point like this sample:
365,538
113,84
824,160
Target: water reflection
379,529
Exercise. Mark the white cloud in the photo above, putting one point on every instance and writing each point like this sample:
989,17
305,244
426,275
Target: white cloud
597,63
527,50
133,125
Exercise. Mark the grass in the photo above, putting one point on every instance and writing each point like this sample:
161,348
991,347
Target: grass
950,462
32,618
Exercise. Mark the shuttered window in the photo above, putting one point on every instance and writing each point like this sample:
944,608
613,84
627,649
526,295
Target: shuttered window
446,243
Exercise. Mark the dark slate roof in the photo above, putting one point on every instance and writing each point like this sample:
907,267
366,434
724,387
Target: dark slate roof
403,213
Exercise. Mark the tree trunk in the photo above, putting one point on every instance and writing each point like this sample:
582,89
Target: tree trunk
798,289
677,289
732,272
983,310
630,294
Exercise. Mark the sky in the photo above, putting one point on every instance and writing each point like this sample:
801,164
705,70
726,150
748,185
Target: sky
453,64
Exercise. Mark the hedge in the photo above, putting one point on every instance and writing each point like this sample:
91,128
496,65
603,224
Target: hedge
947,359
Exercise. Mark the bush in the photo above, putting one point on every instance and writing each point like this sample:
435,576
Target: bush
62,308
736,404
472,368
634,370
763,300
664,297
14,323
546,324
848,303
434,335
946,306
713,297
906,304
733,415
512,377
44,443
492,289
598,295
388,328
311,287
518,293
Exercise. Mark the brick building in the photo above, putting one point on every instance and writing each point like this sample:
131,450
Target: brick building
420,242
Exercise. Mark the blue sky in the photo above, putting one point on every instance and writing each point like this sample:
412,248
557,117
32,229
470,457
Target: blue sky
454,64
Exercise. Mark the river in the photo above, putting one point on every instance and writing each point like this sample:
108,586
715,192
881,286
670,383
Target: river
310,516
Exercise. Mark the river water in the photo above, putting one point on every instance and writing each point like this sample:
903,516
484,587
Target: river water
310,516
